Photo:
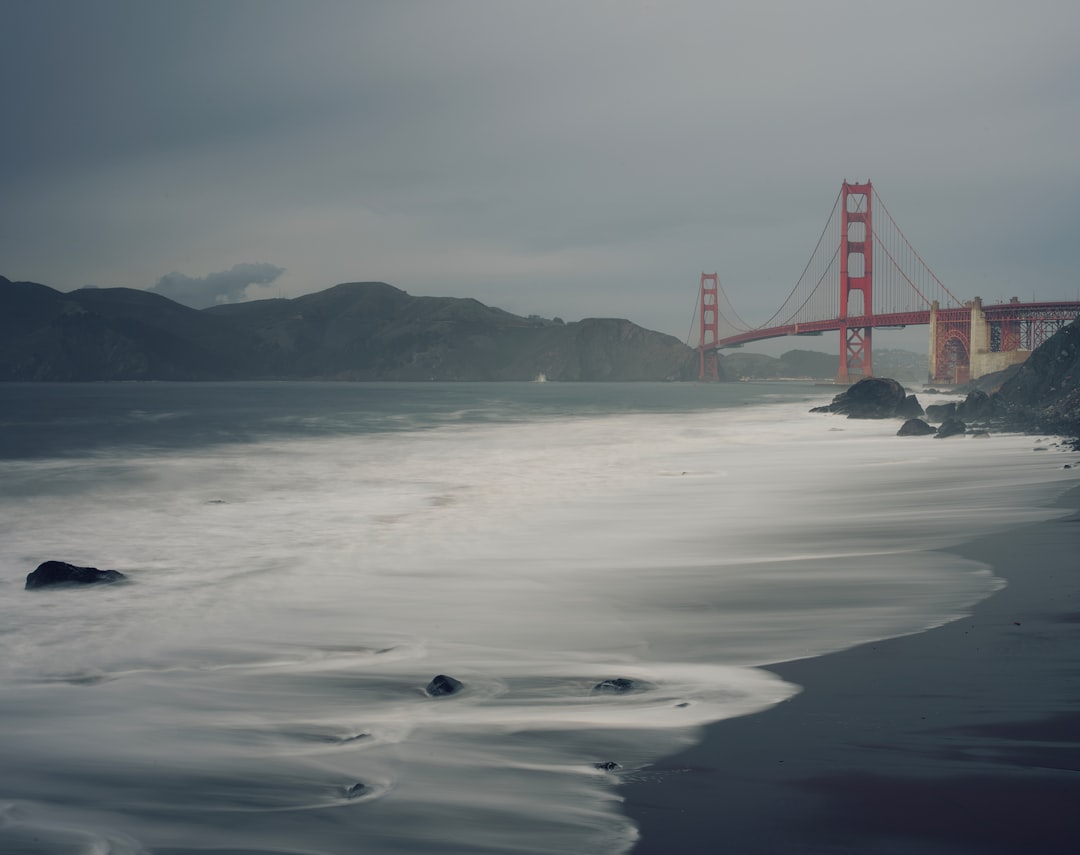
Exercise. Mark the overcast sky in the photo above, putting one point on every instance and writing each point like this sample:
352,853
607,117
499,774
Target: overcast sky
560,158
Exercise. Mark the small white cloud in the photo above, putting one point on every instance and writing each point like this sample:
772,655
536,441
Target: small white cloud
228,286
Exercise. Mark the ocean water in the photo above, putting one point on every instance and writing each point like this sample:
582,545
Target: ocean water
304,558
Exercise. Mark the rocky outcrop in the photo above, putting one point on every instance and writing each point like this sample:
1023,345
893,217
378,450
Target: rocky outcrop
915,427
874,398
442,685
1044,394
618,686
60,573
976,406
951,427
941,412
910,408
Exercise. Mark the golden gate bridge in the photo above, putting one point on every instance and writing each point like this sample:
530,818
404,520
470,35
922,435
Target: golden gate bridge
865,275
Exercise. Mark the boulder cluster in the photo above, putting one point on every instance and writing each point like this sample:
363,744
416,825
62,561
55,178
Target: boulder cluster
1041,395
885,398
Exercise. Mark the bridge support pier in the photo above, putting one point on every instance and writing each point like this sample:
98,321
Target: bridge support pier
856,355
966,345
993,347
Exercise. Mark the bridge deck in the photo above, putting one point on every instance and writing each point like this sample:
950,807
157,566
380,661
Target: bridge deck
996,312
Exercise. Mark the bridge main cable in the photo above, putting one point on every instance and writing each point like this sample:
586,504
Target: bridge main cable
831,222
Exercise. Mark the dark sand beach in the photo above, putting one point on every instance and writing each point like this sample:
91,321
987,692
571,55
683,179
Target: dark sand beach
962,739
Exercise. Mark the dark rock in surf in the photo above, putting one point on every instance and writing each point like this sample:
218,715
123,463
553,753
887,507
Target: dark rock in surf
872,398
951,427
910,408
441,686
915,427
977,405
941,412
617,685
58,573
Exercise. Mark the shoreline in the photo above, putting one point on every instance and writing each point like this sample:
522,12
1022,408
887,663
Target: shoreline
959,740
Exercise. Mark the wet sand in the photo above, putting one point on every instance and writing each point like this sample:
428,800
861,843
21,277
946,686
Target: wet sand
963,739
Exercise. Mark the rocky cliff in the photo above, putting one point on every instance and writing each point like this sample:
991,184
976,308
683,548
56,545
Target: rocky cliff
1044,393
354,331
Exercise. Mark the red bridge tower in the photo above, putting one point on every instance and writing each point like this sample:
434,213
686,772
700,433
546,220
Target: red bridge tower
856,274
710,362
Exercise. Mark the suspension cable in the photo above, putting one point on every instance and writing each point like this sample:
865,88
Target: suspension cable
813,290
693,317
813,255
907,243
900,270
741,325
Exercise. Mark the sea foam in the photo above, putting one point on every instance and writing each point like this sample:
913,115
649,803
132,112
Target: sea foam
260,684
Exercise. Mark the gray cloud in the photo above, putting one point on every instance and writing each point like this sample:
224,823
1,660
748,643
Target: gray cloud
228,286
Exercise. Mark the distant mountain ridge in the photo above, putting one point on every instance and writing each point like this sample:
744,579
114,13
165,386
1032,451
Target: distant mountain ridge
352,331
794,364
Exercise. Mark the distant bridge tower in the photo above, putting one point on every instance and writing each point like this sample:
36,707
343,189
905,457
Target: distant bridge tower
856,274
710,362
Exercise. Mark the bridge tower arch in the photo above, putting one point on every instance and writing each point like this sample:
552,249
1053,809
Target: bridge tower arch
953,361
856,277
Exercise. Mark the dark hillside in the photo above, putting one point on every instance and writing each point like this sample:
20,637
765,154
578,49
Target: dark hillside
353,331
372,331
111,334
